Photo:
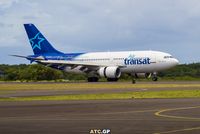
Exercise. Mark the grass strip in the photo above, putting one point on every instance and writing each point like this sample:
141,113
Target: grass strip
124,95
82,86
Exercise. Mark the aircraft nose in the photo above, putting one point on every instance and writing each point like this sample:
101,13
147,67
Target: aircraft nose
175,62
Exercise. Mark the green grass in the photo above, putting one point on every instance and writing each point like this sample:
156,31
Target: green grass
6,88
124,95
83,86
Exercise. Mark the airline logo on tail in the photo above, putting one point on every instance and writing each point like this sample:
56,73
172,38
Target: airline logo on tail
36,41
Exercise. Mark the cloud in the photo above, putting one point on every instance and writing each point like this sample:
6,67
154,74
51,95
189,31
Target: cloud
7,3
102,25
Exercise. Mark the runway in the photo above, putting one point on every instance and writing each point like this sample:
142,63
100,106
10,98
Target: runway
134,116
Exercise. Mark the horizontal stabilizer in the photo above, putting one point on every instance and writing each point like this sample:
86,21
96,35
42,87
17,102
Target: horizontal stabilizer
19,56
29,58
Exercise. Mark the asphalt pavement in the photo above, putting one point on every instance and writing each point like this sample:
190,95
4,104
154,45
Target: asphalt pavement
135,116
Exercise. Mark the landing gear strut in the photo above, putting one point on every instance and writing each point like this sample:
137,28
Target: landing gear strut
133,77
133,81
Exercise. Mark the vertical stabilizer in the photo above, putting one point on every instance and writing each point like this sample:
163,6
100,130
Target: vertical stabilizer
38,42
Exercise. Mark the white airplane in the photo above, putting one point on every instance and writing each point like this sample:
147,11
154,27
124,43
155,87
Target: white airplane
98,64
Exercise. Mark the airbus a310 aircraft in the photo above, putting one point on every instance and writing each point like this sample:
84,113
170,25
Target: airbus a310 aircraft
98,64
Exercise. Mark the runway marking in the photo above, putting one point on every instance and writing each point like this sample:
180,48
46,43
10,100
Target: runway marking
160,113
33,117
141,111
63,119
179,130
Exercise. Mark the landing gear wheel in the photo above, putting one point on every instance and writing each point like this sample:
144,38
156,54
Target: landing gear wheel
112,79
154,78
93,79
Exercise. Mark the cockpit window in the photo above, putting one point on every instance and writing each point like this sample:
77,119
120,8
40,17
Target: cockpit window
168,57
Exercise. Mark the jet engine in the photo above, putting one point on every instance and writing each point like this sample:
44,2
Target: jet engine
109,72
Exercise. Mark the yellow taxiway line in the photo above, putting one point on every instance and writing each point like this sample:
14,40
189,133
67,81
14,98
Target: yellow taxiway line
161,114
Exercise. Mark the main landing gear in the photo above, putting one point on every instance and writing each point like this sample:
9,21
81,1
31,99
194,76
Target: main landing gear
93,79
154,77
96,79
112,79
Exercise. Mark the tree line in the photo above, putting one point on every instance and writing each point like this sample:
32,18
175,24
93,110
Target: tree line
184,71
36,72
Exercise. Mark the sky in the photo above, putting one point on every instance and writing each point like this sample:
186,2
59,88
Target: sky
172,26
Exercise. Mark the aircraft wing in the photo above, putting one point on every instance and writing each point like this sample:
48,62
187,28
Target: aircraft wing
60,64
82,66
75,63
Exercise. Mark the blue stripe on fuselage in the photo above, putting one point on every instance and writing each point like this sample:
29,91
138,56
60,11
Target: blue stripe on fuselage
54,56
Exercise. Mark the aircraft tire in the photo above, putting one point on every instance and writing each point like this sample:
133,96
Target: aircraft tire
112,79
93,79
154,78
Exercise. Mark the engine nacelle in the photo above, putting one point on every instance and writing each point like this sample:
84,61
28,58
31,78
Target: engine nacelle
142,75
109,72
